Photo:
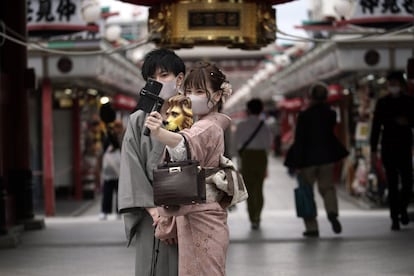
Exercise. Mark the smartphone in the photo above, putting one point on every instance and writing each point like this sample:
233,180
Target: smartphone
152,86
149,96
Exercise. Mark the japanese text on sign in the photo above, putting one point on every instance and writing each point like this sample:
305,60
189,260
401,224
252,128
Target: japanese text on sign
213,19
51,11
386,6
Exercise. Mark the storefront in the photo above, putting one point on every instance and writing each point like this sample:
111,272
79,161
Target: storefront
70,90
357,68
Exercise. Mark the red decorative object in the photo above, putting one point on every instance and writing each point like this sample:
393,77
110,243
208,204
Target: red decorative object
63,28
124,102
292,105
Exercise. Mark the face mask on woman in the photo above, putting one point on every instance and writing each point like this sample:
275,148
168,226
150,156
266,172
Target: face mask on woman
169,89
200,105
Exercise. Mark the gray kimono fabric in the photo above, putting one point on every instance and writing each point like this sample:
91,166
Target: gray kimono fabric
139,156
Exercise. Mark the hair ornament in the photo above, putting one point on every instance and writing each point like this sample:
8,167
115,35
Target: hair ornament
226,88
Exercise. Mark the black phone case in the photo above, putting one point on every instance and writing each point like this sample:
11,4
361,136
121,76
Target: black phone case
149,95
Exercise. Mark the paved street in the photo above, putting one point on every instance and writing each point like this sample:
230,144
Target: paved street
83,245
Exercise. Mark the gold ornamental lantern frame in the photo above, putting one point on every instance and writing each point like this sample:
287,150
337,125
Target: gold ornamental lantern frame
234,24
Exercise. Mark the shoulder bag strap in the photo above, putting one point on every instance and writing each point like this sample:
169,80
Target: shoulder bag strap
251,136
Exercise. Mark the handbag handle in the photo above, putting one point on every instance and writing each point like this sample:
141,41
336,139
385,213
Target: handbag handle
187,148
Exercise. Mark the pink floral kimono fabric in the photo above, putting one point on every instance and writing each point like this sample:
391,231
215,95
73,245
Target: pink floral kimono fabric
203,239
202,230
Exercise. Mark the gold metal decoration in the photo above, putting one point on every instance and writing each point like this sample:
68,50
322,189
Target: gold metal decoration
235,24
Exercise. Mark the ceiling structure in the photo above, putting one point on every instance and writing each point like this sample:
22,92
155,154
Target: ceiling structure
238,65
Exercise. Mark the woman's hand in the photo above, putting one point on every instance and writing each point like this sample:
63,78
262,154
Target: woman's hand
154,122
154,214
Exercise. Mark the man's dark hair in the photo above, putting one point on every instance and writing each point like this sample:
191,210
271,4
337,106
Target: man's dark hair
255,106
164,59
318,92
397,76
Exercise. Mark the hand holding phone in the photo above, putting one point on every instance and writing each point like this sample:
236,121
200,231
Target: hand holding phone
149,100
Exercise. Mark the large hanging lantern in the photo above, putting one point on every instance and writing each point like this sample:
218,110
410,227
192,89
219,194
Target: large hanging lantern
91,11
113,33
235,24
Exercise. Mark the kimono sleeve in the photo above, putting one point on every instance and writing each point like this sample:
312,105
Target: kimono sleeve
206,141
135,189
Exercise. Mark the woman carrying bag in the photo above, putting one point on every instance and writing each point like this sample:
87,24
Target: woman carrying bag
202,230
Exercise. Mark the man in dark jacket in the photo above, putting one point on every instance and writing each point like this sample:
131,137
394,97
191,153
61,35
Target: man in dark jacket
314,153
394,119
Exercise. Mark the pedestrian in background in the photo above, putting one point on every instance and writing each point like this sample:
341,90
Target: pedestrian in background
273,123
139,156
115,128
315,151
254,141
92,156
394,120
111,164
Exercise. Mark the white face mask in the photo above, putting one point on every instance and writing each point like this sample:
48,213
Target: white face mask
394,90
200,105
169,89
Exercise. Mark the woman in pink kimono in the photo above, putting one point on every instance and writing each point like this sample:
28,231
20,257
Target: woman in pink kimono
202,230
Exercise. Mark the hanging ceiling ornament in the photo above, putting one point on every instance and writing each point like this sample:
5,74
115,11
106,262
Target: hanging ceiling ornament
235,24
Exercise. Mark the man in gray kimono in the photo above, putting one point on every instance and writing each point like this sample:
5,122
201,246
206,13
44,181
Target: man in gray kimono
140,154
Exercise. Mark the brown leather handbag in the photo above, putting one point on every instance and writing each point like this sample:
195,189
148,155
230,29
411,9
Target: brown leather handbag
179,182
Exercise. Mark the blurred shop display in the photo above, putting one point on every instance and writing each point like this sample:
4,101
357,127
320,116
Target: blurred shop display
81,59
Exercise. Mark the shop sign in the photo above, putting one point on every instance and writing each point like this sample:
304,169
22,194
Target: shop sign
213,19
239,24
380,12
108,70
335,93
369,8
124,102
55,16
